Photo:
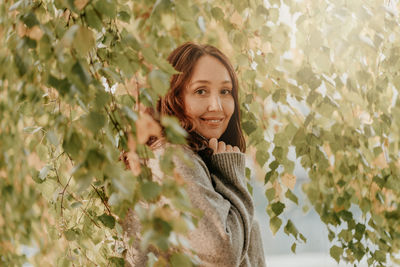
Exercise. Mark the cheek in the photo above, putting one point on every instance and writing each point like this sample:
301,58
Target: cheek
189,107
230,107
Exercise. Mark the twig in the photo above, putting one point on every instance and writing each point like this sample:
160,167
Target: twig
95,223
102,199
116,126
63,192
87,257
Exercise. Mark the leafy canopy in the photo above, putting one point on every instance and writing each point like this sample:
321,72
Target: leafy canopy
76,75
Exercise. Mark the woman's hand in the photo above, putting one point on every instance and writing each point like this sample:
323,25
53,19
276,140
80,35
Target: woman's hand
221,147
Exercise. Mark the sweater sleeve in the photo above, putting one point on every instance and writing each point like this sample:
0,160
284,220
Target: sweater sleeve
230,182
223,233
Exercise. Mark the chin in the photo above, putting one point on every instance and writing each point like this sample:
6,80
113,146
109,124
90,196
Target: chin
209,136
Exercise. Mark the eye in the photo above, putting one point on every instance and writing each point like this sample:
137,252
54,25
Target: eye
226,91
200,91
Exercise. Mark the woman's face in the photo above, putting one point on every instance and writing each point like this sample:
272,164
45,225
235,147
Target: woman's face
208,99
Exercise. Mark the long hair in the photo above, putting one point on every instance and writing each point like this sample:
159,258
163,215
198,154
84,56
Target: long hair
183,59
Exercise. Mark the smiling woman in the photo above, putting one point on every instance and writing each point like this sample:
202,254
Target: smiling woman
204,97
208,99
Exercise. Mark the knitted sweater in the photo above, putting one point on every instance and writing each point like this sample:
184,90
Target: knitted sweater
227,234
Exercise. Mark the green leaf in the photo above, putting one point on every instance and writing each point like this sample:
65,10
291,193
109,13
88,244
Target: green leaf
346,215
250,188
277,207
62,86
262,157
360,230
345,235
278,153
117,262
268,176
20,64
30,19
92,19
289,194
270,194
217,13
180,260
248,173
274,165
69,35
159,81
274,14
184,12
72,144
52,138
380,255
261,10
83,41
95,159
166,162
76,204
302,237
124,16
293,247
291,229
149,55
150,190
36,178
107,220
336,252
274,224
249,127
80,76
107,8
239,5
102,99
191,29
71,234
94,121
174,132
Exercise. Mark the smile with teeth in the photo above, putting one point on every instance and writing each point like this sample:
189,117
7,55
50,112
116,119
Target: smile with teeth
212,120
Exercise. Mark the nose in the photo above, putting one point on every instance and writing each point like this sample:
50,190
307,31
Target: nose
214,103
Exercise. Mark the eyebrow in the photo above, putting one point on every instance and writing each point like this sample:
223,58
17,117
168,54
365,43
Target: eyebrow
208,82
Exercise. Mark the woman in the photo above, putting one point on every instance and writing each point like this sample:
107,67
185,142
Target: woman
204,97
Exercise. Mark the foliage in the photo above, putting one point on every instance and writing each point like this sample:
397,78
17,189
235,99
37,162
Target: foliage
77,74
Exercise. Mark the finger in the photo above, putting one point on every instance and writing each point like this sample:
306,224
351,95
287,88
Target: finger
229,148
221,147
236,149
213,144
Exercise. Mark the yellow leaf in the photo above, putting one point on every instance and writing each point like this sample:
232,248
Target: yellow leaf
1,32
146,126
278,189
178,178
80,4
380,161
289,180
1,221
21,29
327,149
34,161
35,33
237,19
133,158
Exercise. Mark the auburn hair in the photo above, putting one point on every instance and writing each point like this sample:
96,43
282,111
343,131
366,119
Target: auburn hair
183,59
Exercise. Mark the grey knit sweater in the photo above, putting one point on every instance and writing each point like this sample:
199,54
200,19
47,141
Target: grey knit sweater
227,234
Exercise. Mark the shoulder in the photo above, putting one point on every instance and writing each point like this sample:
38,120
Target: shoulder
187,162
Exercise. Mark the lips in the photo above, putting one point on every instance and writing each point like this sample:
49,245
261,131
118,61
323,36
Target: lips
212,121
